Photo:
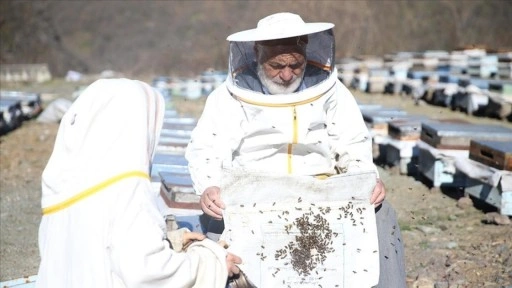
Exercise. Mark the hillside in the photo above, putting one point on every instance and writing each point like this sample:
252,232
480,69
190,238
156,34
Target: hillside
186,37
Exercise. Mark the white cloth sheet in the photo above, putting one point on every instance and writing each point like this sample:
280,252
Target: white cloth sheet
261,220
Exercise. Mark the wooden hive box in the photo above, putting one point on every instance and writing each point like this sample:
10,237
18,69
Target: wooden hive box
410,128
165,162
176,133
178,126
179,123
11,115
457,136
406,129
177,142
31,104
177,191
377,119
497,154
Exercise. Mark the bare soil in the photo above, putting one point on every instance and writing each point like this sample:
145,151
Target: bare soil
445,245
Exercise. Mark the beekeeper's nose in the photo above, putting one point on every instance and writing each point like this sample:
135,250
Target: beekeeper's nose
286,74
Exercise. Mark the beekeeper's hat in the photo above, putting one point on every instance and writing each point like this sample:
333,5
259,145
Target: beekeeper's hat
277,26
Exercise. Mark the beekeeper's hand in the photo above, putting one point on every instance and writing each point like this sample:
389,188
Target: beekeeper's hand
378,194
232,260
182,238
189,237
211,203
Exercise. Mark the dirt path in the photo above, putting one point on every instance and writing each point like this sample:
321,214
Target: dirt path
446,246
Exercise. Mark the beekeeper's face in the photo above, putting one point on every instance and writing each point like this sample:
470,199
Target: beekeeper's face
281,67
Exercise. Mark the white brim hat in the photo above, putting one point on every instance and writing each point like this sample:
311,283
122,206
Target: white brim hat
278,26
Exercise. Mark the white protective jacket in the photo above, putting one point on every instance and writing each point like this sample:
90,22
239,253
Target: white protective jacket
101,226
316,130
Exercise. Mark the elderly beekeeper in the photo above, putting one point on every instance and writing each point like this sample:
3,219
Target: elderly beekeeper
282,110
101,226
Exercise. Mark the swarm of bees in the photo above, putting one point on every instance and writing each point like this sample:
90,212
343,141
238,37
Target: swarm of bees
312,235
311,245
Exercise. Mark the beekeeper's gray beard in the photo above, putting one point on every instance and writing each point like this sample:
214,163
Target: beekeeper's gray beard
277,88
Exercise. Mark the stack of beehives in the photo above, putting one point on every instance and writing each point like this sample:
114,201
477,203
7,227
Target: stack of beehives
17,106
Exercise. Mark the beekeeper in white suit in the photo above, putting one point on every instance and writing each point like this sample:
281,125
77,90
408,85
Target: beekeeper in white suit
101,226
282,110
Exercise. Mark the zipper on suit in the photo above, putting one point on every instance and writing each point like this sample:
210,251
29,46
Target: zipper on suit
294,138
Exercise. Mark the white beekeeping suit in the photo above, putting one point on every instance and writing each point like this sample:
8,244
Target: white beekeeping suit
261,122
316,129
101,226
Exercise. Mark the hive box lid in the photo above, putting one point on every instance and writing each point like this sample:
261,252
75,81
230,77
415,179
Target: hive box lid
407,128
374,116
446,135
